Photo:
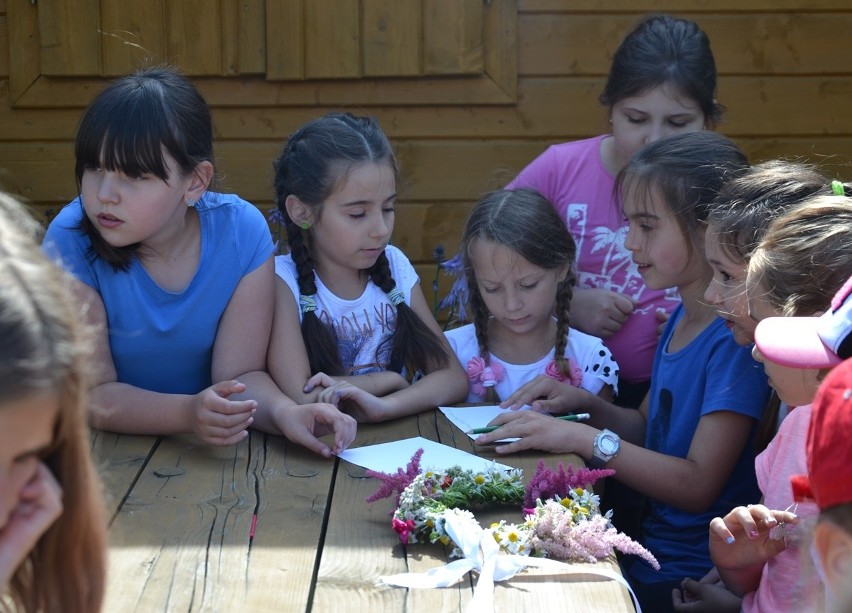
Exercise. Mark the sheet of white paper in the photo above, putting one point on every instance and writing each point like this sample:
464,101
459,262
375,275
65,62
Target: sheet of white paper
388,457
469,418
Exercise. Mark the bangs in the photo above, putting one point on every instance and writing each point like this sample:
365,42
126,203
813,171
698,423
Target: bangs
130,136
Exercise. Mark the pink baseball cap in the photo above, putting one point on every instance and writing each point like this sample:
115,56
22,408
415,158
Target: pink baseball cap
829,480
809,342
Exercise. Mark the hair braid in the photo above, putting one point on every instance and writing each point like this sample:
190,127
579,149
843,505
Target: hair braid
564,294
413,345
320,340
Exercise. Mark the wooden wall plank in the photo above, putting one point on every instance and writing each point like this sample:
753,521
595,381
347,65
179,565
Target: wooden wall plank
70,37
285,39
132,35
22,29
679,6
194,32
500,37
251,38
759,44
756,107
392,37
452,36
4,46
332,39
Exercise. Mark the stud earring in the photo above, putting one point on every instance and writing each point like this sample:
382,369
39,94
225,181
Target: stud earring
190,202
304,225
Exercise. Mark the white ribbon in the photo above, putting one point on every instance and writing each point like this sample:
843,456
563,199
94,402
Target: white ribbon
482,554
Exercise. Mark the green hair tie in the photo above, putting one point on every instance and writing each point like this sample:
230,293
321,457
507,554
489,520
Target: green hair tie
837,188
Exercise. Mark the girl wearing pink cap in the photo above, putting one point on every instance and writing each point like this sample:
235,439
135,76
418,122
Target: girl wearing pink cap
801,262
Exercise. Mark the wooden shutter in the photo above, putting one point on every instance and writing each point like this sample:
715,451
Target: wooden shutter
385,51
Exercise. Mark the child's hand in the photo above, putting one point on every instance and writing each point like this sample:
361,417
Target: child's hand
362,405
547,395
303,424
39,505
706,596
599,312
219,421
535,431
741,539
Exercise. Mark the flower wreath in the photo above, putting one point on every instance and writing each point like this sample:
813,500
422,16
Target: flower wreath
562,518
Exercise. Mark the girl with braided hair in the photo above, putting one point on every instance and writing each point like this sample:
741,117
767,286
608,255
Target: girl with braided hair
351,321
519,258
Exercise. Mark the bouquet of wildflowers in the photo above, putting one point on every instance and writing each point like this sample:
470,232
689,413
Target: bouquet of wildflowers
562,517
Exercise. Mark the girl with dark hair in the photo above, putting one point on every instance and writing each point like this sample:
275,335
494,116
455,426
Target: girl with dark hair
662,81
176,278
351,321
688,447
52,517
519,260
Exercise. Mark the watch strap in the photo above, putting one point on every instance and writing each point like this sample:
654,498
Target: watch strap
596,463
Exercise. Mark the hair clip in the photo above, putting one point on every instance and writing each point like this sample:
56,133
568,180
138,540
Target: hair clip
837,188
307,304
396,297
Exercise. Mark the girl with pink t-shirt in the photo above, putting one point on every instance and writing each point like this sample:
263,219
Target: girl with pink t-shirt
662,81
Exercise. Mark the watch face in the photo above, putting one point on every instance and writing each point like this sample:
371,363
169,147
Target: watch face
608,445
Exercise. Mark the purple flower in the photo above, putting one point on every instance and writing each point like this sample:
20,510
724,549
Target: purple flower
395,483
454,266
547,483
457,298
275,216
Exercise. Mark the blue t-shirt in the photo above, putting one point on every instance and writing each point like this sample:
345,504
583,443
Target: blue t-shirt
711,373
160,340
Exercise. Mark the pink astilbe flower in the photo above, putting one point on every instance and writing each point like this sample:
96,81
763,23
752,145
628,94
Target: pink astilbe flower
556,535
547,483
394,484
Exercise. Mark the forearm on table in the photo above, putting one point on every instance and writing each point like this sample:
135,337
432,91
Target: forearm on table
119,407
270,399
440,387
629,424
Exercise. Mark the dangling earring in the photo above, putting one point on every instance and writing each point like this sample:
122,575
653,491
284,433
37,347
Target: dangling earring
190,201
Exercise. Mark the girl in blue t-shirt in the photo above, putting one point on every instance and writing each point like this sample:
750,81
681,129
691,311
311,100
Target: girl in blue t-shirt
175,278
688,446
351,321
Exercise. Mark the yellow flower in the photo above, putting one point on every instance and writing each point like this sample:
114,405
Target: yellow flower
479,479
513,537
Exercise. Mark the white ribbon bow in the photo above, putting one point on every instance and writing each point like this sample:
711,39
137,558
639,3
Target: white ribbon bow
482,554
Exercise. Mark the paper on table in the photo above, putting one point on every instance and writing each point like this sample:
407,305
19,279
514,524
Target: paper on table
469,418
388,457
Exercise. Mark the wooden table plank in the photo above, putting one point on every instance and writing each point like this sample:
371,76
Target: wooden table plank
182,542
119,459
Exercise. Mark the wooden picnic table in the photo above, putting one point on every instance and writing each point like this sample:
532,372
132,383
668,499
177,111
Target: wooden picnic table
181,515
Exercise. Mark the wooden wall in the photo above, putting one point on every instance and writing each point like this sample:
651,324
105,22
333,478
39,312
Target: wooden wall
785,71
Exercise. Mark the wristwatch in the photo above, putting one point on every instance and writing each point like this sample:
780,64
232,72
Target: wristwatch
606,447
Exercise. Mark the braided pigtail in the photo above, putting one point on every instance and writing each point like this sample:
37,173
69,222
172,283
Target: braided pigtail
564,294
413,345
480,327
320,340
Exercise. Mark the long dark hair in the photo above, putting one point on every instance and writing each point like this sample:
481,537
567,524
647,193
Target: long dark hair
526,222
663,49
127,128
311,166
